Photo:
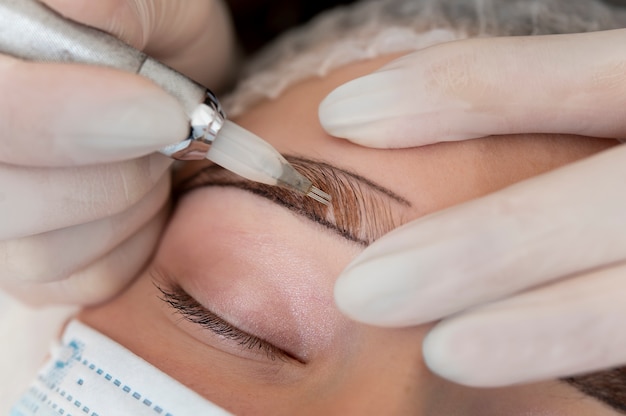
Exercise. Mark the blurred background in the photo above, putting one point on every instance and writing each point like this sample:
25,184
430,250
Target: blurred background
259,21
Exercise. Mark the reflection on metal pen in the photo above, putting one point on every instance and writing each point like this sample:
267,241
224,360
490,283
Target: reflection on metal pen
32,31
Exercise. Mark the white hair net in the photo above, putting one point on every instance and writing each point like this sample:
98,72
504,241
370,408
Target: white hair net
377,27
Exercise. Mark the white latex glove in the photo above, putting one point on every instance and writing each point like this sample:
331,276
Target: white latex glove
81,205
530,282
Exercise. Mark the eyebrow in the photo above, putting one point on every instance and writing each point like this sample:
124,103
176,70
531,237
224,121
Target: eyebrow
607,386
361,210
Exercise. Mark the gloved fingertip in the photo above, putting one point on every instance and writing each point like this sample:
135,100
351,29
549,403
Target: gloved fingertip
336,117
351,299
123,126
449,357
364,134
361,109
373,293
464,352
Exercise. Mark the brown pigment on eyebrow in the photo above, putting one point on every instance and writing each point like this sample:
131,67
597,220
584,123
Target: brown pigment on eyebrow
358,205
359,211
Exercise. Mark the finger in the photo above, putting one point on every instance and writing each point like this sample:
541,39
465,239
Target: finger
74,248
564,222
35,201
102,279
61,114
480,87
194,36
572,327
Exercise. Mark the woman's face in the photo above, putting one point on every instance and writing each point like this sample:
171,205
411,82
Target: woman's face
238,302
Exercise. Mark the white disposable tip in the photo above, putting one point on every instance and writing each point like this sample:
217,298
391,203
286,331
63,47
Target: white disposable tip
246,154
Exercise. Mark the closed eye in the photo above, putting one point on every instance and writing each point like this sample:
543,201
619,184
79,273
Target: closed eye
191,310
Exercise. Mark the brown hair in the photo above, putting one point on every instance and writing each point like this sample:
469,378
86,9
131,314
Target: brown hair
607,386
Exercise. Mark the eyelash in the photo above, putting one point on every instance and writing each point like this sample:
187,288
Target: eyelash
195,313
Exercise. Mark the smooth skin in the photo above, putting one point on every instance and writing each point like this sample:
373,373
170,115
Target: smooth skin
271,272
83,196
540,265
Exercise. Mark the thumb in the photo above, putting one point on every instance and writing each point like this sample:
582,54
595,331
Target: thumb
193,37
127,20
474,88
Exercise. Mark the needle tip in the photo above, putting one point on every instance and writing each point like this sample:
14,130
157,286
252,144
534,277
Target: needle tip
319,195
294,180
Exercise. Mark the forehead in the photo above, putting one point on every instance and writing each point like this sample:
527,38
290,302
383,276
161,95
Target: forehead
431,177
291,124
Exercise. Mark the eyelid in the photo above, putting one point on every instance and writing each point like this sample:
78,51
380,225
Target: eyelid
194,312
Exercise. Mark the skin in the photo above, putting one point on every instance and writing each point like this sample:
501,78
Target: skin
271,272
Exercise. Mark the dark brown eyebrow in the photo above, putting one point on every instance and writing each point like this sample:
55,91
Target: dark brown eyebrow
608,387
361,210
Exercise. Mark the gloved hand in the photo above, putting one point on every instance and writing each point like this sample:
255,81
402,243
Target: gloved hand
529,281
82,196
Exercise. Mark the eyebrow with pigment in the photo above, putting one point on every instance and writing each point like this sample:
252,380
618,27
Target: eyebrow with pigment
361,211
